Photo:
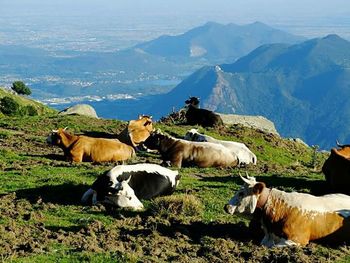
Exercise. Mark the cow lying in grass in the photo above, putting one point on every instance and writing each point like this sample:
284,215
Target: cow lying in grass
137,131
337,169
185,153
124,185
203,117
293,218
245,156
82,148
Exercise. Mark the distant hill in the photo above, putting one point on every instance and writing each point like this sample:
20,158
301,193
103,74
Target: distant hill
303,88
216,42
149,68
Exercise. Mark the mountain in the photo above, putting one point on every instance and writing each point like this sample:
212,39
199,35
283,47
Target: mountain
149,68
217,43
303,88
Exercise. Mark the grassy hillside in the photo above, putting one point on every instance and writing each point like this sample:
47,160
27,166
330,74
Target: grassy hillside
24,101
42,220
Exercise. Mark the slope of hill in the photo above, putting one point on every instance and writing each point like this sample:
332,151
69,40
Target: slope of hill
42,219
303,88
25,101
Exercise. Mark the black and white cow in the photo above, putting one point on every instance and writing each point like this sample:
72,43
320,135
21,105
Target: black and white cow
124,185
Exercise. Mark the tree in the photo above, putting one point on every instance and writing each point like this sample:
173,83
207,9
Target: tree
21,88
9,106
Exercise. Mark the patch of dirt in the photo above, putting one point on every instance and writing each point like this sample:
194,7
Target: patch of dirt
143,235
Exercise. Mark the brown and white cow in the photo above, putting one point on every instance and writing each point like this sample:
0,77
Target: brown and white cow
78,148
337,169
293,218
137,131
239,149
186,153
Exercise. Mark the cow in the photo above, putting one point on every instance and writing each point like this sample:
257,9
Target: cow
137,131
185,153
245,156
293,218
78,148
195,115
124,185
337,169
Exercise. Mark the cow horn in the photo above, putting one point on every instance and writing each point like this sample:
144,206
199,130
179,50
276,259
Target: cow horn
55,131
339,145
65,128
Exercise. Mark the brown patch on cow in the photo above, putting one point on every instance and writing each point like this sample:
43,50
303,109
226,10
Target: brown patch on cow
291,223
137,131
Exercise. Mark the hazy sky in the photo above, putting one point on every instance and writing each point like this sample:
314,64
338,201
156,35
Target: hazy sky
248,9
151,18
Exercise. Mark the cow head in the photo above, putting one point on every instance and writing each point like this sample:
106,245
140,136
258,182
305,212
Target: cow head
146,121
153,142
194,101
124,197
193,135
245,199
55,137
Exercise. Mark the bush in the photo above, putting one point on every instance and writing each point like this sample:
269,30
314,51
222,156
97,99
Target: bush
9,106
29,110
21,88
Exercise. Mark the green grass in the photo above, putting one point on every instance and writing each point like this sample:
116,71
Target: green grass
48,191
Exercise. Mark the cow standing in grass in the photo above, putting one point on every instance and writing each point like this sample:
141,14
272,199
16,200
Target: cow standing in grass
293,218
78,148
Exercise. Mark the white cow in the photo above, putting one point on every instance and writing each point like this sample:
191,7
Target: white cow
245,156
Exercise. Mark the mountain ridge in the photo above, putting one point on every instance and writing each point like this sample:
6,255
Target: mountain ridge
301,99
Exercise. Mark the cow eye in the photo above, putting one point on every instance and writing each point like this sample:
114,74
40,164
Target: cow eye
130,197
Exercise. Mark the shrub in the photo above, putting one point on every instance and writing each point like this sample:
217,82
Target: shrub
21,88
9,106
29,110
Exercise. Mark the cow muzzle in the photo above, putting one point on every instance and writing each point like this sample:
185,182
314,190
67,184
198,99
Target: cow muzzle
229,209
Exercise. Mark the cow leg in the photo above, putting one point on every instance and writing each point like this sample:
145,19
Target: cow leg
267,241
286,242
77,156
176,161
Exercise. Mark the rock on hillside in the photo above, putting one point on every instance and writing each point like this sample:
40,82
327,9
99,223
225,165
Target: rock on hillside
256,122
80,109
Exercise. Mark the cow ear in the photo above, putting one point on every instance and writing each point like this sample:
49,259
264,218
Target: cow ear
258,188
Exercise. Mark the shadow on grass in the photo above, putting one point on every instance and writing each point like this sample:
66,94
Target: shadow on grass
64,194
96,134
50,156
317,187
197,230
